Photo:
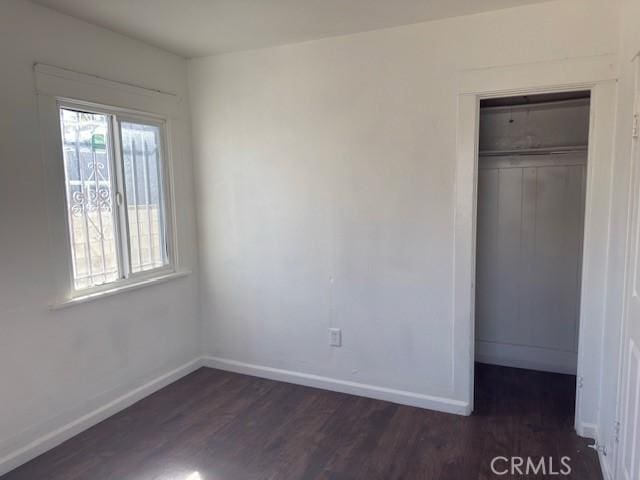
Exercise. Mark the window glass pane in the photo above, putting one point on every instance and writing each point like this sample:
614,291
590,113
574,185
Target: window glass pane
142,170
92,226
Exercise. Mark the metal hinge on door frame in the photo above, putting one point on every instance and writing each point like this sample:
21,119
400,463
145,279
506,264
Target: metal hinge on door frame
599,448
616,431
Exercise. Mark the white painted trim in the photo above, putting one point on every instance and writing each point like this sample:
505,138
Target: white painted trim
560,75
597,74
57,86
526,364
595,260
625,341
60,82
526,356
120,287
402,397
65,432
50,70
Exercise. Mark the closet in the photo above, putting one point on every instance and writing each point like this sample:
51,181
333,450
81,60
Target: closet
530,223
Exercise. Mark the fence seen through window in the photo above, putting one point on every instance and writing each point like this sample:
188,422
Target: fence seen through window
112,239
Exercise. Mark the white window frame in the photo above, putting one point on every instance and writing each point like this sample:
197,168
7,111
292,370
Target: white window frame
116,117
60,88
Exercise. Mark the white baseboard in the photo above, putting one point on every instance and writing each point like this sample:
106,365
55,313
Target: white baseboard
50,440
56,437
402,397
522,356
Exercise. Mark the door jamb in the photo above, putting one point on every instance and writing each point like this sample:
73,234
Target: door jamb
597,75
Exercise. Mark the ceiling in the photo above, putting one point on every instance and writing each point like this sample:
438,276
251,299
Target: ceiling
193,28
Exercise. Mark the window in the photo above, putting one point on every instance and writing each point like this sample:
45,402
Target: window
115,194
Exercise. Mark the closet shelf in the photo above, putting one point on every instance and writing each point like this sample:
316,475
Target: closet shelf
534,151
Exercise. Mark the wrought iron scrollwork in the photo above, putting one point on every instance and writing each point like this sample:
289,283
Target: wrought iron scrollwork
92,196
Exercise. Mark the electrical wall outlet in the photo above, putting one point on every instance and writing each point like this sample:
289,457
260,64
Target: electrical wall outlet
335,337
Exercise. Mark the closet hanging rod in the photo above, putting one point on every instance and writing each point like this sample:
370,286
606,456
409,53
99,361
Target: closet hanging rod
534,151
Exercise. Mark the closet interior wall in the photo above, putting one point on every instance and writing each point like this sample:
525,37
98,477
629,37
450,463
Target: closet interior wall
531,191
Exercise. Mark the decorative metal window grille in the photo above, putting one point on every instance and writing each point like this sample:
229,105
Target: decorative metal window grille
115,196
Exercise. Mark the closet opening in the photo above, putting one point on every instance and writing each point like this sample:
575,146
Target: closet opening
532,170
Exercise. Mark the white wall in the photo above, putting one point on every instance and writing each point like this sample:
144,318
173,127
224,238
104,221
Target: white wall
325,181
529,252
560,124
58,365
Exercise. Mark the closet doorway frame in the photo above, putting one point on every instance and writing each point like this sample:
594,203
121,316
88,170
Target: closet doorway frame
596,75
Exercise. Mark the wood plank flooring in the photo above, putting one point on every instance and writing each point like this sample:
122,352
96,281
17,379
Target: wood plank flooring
227,426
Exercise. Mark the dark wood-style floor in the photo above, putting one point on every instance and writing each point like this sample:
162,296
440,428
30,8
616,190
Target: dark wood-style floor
234,427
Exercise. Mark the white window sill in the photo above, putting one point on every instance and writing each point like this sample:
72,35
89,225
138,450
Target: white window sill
118,289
